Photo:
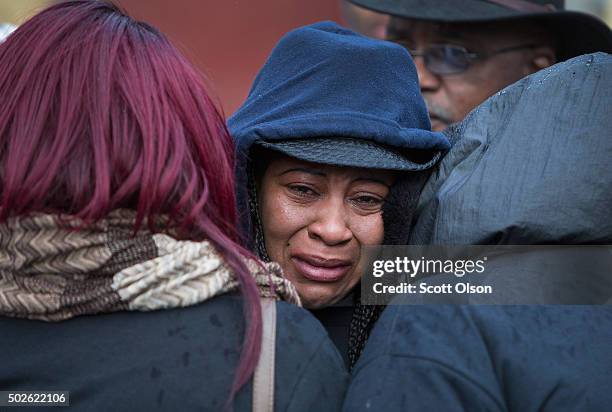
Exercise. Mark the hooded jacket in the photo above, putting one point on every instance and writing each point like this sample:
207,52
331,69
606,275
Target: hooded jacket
516,175
323,80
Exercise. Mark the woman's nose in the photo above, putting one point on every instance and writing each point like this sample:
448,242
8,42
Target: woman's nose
331,224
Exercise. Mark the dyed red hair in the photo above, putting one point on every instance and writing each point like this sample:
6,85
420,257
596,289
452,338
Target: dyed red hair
99,112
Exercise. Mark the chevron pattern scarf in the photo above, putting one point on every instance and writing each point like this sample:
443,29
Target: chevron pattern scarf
50,271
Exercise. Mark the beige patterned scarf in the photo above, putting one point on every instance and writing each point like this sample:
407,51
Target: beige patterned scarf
49,272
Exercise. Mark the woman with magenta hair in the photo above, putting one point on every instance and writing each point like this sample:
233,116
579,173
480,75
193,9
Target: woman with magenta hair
121,279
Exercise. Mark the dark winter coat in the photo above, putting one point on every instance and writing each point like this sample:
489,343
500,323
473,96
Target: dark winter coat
168,360
530,166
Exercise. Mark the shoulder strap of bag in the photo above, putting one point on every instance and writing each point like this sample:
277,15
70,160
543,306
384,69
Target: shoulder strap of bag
263,380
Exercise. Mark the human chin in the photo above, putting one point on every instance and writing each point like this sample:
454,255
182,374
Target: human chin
438,125
316,295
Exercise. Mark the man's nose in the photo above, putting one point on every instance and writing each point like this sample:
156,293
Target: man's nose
428,81
331,225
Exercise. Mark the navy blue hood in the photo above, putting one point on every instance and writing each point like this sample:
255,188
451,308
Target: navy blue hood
326,81
323,80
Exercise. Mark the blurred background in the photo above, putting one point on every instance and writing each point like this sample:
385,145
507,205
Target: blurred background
229,40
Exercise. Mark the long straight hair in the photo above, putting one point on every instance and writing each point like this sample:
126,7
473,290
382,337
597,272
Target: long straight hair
99,112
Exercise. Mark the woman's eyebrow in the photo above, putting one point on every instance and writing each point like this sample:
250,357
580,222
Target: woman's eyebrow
371,179
304,170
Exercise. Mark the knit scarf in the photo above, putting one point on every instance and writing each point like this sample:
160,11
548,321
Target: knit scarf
53,269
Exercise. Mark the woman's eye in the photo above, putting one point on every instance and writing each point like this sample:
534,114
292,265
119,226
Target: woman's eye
302,190
368,202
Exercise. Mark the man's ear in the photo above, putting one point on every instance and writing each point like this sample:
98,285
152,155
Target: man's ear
541,58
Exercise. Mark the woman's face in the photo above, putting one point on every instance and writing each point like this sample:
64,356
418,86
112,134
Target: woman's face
316,218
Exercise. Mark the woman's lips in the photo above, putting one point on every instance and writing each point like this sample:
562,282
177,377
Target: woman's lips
320,269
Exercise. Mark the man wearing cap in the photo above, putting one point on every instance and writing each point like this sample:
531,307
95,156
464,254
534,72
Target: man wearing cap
465,51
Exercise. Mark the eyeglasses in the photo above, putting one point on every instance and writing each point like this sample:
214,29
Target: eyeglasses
444,59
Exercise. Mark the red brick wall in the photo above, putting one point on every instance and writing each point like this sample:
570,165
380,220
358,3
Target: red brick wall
230,39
